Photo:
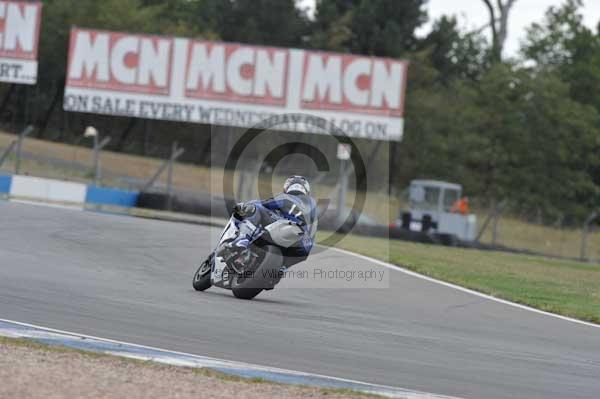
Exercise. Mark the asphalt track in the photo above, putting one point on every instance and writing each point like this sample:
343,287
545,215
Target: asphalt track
129,279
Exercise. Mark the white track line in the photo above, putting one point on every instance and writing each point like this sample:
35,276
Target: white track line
463,289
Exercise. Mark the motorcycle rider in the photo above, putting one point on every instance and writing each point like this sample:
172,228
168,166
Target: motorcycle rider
292,215
296,204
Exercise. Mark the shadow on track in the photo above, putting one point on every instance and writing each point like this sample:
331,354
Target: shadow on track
258,299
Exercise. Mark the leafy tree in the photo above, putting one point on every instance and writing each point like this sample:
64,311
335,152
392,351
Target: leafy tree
271,22
331,27
533,143
564,46
563,43
455,54
386,27
512,135
372,27
194,18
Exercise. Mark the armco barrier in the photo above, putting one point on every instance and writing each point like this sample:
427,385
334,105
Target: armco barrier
38,188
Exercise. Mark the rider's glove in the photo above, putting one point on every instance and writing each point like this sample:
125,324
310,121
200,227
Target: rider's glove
242,210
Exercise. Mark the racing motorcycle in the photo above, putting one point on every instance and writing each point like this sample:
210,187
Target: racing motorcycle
248,258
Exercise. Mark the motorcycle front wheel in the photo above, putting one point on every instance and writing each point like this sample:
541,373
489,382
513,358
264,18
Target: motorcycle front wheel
201,280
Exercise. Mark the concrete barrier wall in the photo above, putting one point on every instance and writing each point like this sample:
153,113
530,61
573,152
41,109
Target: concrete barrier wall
47,190
42,189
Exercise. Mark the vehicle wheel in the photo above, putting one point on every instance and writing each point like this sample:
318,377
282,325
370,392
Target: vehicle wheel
202,277
242,288
449,239
262,278
246,293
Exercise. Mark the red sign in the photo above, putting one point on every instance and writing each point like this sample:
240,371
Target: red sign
233,72
118,61
19,37
229,83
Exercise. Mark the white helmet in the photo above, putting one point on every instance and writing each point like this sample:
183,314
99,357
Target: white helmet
296,185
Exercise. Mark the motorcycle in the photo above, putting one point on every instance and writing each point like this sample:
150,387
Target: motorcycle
248,258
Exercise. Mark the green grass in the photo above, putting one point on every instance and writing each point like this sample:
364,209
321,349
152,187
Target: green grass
564,287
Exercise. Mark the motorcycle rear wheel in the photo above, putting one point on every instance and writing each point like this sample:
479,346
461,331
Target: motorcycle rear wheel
248,288
246,293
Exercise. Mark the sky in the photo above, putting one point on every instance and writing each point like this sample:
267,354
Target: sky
472,14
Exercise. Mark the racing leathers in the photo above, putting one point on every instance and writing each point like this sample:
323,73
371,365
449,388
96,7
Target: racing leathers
298,208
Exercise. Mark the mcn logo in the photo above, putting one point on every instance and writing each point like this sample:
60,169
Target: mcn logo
120,62
237,73
19,29
233,84
345,82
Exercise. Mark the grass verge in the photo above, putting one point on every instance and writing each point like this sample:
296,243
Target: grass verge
564,287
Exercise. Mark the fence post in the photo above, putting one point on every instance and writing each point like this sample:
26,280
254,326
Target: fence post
175,153
493,217
26,132
241,186
249,169
495,226
344,152
97,166
342,190
7,152
584,235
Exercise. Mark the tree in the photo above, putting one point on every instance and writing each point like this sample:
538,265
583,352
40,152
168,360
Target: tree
370,27
498,14
331,27
269,22
564,44
386,27
532,143
512,134
188,18
455,54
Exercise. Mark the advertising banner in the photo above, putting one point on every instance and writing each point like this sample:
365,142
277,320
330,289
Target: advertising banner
232,84
19,37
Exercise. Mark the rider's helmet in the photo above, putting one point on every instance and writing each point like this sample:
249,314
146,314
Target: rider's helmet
296,185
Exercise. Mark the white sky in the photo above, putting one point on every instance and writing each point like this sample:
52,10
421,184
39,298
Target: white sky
472,14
